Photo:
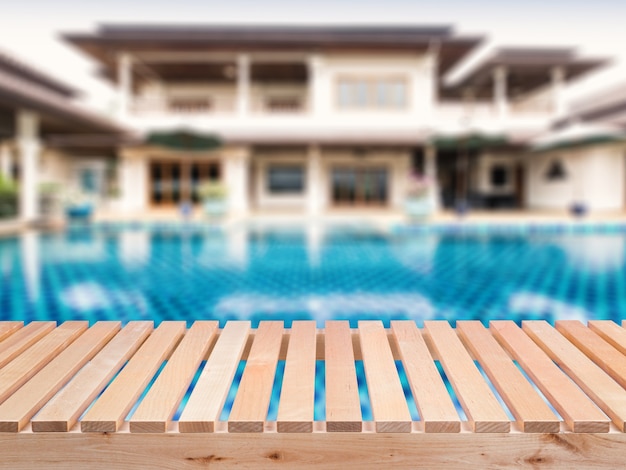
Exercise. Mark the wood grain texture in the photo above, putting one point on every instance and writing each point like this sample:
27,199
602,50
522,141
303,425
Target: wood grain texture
111,408
159,405
611,333
25,451
389,406
25,402
255,389
435,406
23,339
27,364
297,396
605,392
63,410
578,411
207,399
343,405
528,408
7,328
476,398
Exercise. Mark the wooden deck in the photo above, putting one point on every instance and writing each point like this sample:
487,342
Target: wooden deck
106,396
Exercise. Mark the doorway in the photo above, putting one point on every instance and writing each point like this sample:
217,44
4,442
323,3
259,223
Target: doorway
363,186
175,181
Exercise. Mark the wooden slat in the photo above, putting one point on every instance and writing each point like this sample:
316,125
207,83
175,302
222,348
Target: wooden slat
25,402
19,342
389,407
578,411
611,332
297,396
530,411
606,393
435,406
343,405
255,389
207,399
63,411
27,364
599,351
480,405
109,411
7,328
159,405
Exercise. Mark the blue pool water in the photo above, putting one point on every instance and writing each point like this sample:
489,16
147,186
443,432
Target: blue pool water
198,272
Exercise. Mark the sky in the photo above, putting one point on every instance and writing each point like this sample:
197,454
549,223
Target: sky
30,29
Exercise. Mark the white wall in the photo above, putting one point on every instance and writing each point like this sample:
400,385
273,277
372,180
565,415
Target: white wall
595,176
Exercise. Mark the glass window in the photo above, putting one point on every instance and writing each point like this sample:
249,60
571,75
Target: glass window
345,94
361,95
499,176
285,179
398,94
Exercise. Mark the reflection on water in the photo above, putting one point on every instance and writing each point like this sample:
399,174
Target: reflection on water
315,272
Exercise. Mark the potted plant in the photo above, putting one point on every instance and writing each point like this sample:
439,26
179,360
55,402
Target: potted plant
213,197
78,206
418,204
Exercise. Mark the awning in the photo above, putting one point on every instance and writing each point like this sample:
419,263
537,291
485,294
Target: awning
578,134
184,140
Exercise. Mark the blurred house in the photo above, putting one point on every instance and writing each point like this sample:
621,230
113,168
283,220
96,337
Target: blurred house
318,119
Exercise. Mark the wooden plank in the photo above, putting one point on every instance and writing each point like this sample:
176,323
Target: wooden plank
343,405
207,399
389,407
530,411
255,389
611,333
16,344
435,406
27,451
159,405
480,404
577,410
297,397
609,359
7,328
25,402
27,364
62,412
109,411
604,391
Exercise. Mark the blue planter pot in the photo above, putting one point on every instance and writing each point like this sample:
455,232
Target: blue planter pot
214,208
79,212
418,208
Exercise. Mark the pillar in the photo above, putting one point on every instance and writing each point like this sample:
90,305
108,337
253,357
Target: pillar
430,171
5,162
431,67
500,92
29,148
124,83
314,181
314,64
243,84
558,86
237,183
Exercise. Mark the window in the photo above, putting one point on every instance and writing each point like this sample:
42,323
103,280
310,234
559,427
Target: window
375,93
499,176
285,179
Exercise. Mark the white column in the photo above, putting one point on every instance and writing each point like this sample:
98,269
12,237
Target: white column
314,181
501,101
558,86
5,162
314,63
237,183
430,170
124,83
29,147
431,67
243,84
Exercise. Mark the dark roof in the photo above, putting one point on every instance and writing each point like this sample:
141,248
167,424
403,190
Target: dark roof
25,72
110,39
527,69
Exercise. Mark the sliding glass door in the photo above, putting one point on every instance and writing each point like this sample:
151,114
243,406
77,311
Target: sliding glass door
359,186
173,182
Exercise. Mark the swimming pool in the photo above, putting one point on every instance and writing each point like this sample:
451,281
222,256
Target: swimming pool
173,272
